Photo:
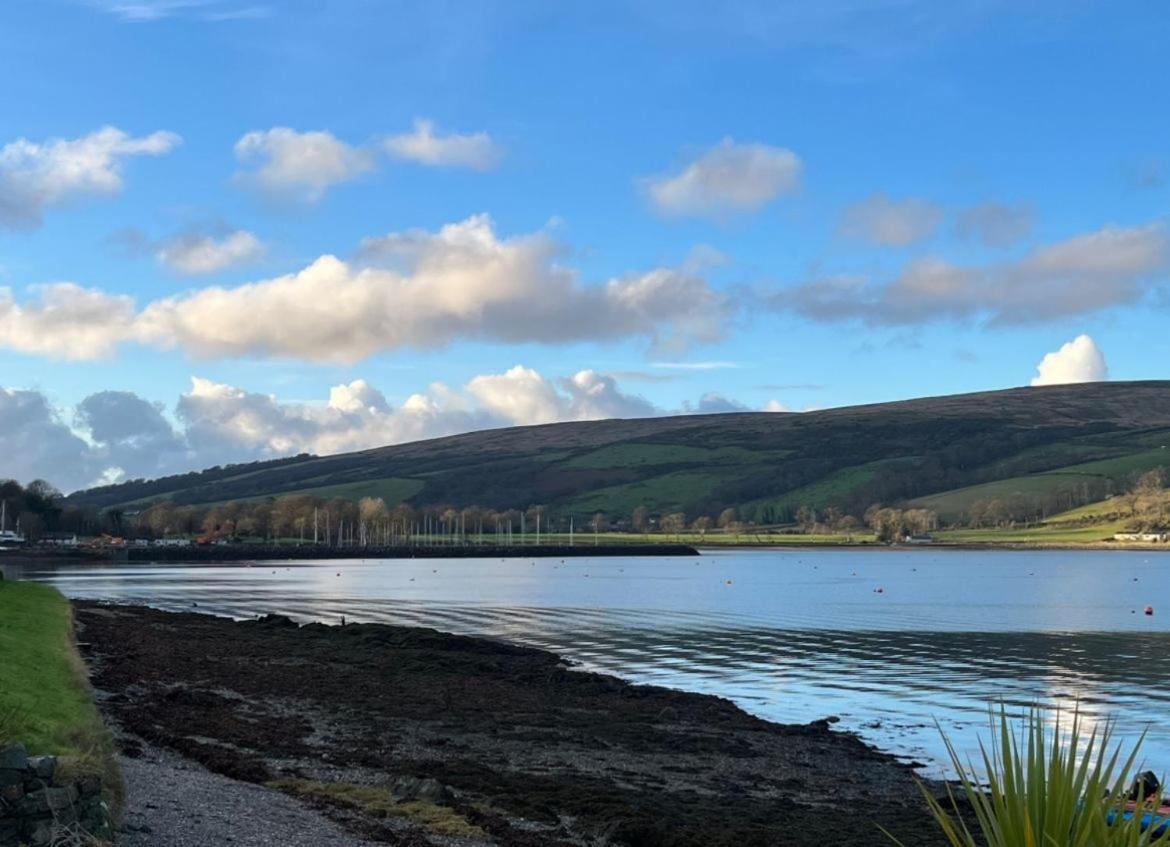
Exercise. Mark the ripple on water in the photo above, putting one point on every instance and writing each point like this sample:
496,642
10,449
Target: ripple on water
791,639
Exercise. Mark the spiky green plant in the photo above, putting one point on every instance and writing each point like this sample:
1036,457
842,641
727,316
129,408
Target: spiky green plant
1044,788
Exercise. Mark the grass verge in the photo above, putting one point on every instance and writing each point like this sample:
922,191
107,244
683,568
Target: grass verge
380,803
45,699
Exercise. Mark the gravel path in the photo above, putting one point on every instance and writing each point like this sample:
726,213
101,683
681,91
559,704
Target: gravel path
174,802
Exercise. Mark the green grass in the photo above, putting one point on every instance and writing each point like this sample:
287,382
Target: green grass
45,700
1044,534
1043,785
665,493
393,490
833,488
955,504
635,454
379,802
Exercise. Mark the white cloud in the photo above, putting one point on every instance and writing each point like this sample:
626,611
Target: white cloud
299,165
202,253
995,224
1080,360
118,435
728,178
775,406
427,147
462,282
36,176
880,219
65,321
713,403
1110,267
139,11
522,396
519,395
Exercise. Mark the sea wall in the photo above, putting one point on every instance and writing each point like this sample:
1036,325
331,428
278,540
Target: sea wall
244,552
40,808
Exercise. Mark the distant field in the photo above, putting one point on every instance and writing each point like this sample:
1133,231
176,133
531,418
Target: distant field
393,491
832,489
1051,534
952,505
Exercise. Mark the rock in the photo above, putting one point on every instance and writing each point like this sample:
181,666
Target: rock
428,789
11,776
43,766
41,833
89,786
47,800
11,794
14,756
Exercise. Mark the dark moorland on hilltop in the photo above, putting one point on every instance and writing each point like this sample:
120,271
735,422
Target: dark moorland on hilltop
1056,446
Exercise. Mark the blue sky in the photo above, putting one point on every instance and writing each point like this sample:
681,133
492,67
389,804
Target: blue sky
806,205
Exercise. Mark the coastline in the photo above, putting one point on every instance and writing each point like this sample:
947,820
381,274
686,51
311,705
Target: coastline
511,741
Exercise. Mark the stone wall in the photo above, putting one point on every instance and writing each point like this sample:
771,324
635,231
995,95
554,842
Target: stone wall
38,808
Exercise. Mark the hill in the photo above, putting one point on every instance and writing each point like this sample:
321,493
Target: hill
1045,449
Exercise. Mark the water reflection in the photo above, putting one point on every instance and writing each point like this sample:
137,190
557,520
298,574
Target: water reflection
797,637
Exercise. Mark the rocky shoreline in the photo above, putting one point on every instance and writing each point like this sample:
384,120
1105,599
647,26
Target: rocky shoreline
415,737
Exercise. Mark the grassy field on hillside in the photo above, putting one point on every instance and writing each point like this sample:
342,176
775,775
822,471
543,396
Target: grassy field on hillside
952,505
1045,448
45,700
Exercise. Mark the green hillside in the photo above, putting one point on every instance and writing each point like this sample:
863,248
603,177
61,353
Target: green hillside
1054,447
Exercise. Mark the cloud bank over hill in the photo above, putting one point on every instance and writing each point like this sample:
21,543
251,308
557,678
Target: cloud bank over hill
113,435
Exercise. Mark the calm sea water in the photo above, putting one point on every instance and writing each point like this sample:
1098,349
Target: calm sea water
789,635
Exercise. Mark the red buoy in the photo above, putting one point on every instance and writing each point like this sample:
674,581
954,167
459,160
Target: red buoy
1149,610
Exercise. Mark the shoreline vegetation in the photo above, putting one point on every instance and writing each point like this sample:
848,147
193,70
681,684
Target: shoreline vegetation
372,526
46,702
412,735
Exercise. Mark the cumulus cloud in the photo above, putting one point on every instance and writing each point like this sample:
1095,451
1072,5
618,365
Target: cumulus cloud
36,176
131,437
285,163
36,443
727,179
523,396
118,435
426,146
1080,360
196,253
65,321
880,219
995,224
1112,266
462,282
713,403
415,289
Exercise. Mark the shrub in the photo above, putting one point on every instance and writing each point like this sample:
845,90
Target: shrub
1046,786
